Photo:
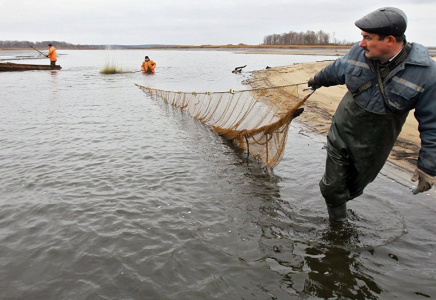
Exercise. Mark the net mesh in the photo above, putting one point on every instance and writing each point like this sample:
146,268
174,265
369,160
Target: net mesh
256,120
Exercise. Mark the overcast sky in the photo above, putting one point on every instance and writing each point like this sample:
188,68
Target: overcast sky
198,22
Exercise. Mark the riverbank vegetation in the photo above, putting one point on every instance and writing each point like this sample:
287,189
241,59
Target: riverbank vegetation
304,38
43,44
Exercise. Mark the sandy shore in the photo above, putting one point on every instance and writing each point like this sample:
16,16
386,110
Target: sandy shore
320,107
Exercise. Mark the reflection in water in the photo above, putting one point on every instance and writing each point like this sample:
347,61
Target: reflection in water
335,271
54,85
313,264
317,258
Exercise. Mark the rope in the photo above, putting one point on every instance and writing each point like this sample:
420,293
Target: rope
231,91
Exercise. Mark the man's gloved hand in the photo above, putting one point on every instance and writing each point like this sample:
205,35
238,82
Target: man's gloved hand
298,112
425,181
311,83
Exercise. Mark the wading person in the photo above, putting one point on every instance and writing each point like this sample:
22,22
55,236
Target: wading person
148,65
52,54
386,77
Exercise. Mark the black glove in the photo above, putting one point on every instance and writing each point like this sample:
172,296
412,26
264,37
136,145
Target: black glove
298,112
311,83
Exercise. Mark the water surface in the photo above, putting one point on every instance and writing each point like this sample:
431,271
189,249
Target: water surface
107,193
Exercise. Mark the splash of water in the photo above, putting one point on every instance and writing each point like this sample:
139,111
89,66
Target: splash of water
112,67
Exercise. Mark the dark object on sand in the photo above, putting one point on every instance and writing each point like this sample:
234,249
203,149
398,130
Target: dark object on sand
268,67
7,67
238,69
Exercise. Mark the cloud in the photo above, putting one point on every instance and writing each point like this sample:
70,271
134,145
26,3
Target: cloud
196,22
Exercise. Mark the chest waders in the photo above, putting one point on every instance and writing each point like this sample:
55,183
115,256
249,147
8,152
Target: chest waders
358,145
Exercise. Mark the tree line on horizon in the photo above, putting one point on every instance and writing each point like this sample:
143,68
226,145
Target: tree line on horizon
291,38
42,44
303,38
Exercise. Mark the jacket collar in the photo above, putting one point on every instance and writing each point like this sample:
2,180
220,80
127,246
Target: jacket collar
418,56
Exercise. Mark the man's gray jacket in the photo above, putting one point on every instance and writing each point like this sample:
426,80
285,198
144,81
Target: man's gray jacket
411,85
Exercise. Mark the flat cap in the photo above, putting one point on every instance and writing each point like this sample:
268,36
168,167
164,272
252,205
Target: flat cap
384,21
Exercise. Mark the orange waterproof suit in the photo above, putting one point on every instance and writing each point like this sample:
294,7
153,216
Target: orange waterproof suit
52,54
148,66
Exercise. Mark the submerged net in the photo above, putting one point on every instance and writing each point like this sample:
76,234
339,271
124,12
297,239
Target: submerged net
256,120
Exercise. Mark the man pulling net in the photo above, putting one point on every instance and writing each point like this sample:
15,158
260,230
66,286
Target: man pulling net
386,77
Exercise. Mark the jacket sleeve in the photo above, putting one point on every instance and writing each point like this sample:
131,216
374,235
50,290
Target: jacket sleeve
425,113
333,74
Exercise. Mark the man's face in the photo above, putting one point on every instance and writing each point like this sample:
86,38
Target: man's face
374,48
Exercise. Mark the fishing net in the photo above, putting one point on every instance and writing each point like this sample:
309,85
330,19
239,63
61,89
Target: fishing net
256,120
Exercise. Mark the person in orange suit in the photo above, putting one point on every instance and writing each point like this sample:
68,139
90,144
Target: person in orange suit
52,54
148,65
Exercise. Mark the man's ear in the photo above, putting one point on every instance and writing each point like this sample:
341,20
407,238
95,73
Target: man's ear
391,39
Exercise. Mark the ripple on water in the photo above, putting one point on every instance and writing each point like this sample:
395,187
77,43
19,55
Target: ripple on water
371,223
107,193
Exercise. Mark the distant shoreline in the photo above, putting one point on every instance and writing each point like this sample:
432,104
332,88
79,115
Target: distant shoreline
84,47
319,50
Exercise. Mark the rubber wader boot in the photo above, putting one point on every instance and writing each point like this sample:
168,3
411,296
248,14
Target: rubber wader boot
338,213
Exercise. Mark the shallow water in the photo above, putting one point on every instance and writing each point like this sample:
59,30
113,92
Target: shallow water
109,194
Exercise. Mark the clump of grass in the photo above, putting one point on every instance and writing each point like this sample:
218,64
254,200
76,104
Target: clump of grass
113,68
